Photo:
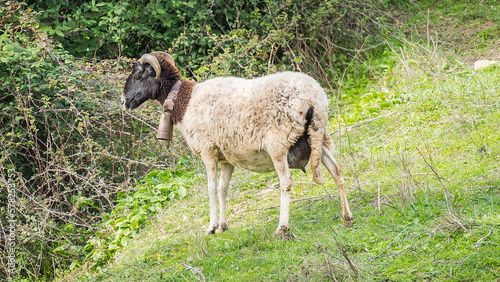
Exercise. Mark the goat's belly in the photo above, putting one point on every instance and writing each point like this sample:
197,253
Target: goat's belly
256,161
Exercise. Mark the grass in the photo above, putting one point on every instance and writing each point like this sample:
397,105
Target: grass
423,182
423,185
465,27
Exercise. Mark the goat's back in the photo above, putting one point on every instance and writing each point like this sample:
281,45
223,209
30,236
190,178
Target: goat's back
238,116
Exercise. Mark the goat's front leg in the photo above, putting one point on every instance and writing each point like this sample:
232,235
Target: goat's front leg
210,162
225,176
281,165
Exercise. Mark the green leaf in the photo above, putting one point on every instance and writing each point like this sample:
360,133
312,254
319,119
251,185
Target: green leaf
73,265
59,32
134,224
113,247
182,191
164,186
126,231
152,174
45,28
14,47
121,194
124,241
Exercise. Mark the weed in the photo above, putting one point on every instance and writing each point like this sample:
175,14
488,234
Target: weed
131,213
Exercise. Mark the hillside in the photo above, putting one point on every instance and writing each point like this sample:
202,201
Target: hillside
423,185
420,148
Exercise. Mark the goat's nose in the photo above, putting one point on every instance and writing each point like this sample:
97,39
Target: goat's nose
124,103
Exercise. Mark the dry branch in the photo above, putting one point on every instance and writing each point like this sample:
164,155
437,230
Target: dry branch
347,129
293,201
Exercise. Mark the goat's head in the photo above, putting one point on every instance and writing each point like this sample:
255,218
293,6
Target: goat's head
148,75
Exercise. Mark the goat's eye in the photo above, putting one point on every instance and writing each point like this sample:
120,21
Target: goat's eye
150,71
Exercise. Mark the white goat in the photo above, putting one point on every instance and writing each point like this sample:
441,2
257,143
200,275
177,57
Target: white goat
275,122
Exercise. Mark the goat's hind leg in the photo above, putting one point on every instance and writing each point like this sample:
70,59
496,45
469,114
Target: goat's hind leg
225,176
336,172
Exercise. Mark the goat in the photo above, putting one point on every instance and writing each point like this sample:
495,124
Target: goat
272,123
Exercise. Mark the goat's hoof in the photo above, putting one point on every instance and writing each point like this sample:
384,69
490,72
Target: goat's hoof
347,221
281,230
222,228
211,230
288,236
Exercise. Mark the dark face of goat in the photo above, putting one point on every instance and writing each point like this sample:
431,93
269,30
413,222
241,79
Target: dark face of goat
141,86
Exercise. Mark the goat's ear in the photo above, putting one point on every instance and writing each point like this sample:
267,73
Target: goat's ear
170,60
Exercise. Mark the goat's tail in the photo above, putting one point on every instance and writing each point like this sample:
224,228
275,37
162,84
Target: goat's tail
316,132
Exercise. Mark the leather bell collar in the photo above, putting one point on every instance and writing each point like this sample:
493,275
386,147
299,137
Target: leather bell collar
169,103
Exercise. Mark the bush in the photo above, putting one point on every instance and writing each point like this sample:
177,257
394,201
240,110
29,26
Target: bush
132,211
236,37
69,145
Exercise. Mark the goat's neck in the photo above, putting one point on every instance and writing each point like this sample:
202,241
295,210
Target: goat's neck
165,85
178,105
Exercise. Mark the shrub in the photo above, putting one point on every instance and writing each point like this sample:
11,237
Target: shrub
133,210
235,37
72,149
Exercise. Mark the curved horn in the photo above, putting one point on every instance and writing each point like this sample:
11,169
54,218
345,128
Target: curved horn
165,56
153,61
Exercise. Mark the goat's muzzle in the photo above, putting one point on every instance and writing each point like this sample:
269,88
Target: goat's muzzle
124,103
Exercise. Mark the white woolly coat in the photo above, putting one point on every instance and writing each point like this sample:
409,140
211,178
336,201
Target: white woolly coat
244,119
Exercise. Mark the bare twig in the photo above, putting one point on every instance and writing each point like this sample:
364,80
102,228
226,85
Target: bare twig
293,201
195,270
447,193
344,254
483,188
344,130
378,198
484,237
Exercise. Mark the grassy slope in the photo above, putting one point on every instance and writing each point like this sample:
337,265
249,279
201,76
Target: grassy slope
431,164
445,138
